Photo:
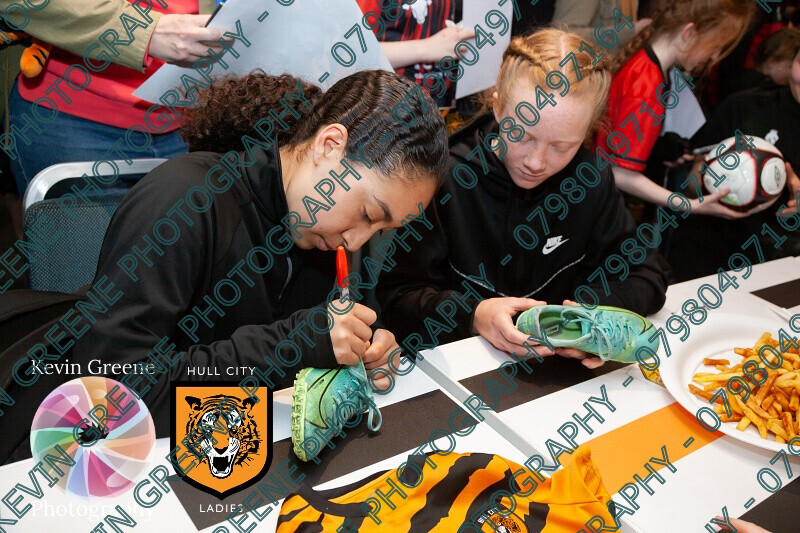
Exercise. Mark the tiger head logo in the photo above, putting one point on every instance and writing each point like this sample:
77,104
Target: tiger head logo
224,434
505,524
227,433
502,523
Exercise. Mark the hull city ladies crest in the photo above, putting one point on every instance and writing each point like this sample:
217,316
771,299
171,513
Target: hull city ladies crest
226,432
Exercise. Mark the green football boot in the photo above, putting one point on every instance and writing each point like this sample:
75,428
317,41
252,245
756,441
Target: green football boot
324,400
609,332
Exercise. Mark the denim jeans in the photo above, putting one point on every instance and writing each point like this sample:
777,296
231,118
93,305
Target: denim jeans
71,139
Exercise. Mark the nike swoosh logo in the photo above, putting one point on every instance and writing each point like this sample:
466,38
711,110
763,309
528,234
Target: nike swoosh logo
550,246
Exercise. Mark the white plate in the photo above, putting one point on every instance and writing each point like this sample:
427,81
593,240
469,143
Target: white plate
716,337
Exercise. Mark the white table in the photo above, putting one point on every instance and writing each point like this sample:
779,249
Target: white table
720,473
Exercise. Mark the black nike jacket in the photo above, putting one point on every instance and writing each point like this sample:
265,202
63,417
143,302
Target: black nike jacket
213,245
476,226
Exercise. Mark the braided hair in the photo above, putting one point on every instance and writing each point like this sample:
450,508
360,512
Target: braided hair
415,142
724,21
531,58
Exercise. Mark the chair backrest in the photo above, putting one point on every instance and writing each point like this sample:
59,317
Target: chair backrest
55,175
70,261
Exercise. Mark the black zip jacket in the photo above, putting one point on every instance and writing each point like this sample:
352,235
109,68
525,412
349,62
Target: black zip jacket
271,305
477,226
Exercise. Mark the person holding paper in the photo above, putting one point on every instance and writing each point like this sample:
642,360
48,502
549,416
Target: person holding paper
689,34
512,221
416,37
92,119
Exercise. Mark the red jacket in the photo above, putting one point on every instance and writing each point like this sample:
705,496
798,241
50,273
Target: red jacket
633,86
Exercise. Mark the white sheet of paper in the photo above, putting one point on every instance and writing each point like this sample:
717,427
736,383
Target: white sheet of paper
483,74
296,39
687,117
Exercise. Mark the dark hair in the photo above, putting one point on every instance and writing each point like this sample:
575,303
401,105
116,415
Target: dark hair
707,15
782,45
365,103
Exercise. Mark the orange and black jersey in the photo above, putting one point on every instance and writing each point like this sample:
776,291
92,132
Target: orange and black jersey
456,492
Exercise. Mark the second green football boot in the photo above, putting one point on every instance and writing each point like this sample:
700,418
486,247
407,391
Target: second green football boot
609,332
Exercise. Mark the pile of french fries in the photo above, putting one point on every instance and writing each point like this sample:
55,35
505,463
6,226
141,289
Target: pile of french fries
773,407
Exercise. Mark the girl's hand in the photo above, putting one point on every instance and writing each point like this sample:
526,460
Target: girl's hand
443,43
351,332
493,322
711,205
184,39
379,350
588,360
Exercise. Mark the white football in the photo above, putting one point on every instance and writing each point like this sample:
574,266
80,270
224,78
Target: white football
755,176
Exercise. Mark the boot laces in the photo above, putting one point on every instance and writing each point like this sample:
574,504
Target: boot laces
609,333
355,387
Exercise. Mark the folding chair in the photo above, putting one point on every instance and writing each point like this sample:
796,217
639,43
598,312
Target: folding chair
70,262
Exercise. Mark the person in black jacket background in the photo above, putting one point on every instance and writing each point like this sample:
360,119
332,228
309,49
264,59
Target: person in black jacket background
477,222
255,243
701,247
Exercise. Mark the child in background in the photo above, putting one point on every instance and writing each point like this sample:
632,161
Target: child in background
476,233
417,36
689,34
727,76
774,56
768,65
700,247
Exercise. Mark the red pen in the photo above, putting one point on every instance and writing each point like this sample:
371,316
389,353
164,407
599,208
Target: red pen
341,273
341,270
